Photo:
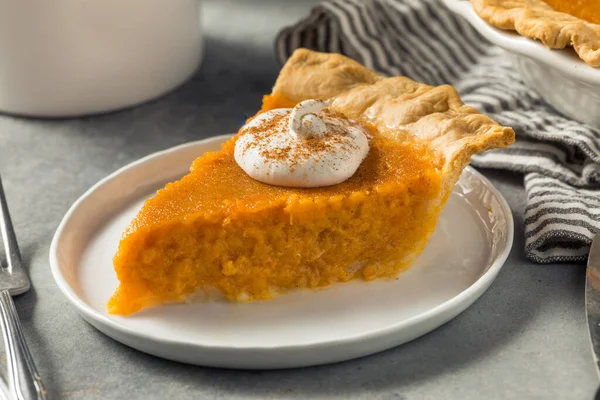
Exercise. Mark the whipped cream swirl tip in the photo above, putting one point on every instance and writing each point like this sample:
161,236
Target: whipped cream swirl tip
307,146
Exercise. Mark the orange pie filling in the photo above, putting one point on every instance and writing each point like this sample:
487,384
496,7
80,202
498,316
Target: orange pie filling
217,228
587,10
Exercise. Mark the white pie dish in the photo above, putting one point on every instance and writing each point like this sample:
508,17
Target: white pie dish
345,321
559,76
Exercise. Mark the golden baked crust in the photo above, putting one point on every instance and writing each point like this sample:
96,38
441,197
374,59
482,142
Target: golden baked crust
396,106
537,20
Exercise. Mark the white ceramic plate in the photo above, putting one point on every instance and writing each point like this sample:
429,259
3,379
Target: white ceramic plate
471,242
559,76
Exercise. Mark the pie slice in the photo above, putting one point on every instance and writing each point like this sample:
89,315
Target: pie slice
556,23
218,232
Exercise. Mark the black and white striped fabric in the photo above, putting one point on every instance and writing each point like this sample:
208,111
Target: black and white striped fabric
425,41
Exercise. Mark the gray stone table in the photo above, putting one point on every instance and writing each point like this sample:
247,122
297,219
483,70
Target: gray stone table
525,338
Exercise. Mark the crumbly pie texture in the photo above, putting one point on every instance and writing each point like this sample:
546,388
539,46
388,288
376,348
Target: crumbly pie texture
433,119
537,20
395,106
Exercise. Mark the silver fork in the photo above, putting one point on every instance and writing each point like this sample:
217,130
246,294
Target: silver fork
23,378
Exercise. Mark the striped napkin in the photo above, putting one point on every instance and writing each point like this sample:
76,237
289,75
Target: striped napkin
422,39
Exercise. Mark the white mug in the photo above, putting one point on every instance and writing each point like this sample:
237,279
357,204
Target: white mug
62,58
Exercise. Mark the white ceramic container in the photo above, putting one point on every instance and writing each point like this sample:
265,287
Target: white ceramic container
64,58
559,76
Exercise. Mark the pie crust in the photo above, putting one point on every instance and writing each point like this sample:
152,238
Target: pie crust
396,106
535,19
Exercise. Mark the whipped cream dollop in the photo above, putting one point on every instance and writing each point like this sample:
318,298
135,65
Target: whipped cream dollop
307,146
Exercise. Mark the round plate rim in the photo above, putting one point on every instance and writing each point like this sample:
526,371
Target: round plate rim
96,318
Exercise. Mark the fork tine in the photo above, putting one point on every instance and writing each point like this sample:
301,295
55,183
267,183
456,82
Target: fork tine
11,248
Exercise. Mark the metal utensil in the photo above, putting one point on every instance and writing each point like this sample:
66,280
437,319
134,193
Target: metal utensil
24,380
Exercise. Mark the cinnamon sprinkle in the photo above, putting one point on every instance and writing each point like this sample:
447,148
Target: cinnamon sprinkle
306,148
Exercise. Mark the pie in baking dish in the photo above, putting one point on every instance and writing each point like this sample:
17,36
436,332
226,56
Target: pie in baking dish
219,231
556,23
